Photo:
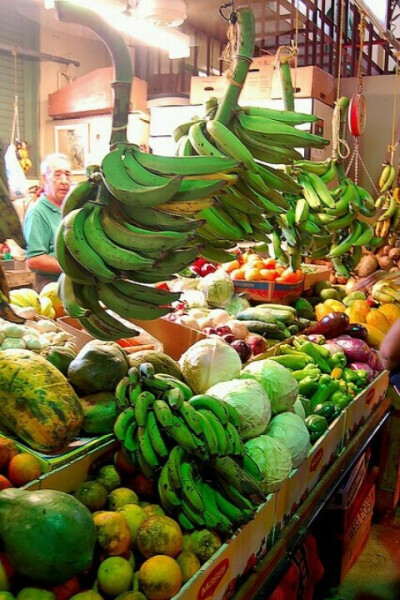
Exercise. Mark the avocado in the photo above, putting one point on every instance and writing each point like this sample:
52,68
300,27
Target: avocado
321,285
330,294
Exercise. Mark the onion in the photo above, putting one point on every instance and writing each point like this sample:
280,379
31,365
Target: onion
238,329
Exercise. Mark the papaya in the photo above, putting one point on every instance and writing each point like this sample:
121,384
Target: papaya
98,366
161,362
100,412
36,401
48,535
59,356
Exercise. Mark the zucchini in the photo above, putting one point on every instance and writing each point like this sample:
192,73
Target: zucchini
271,330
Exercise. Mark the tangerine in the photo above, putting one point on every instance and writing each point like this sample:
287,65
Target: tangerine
131,595
8,449
154,509
121,496
189,564
114,575
135,515
160,577
23,468
109,477
31,593
87,595
159,535
112,532
92,494
5,483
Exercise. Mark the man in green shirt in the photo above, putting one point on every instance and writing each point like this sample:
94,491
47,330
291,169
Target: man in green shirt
43,218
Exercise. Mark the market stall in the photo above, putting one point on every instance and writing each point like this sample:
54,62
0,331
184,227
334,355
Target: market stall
183,404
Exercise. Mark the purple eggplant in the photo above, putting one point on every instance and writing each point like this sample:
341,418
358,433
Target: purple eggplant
356,330
330,326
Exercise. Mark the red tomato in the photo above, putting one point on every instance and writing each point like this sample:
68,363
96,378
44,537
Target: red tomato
269,263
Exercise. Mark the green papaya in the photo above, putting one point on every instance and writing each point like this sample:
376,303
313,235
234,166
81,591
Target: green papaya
100,412
60,357
98,366
47,535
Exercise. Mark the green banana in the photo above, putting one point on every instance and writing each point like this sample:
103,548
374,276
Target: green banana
128,307
175,459
142,405
123,420
146,449
344,246
66,293
188,487
289,117
191,418
159,220
200,142
128,191
230,145
79,248
68,264
212,404
320,189
219,431
145,293
162,413
183,436
168,497
78,196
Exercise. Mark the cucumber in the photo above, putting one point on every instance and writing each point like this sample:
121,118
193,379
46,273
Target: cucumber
271,330
279,307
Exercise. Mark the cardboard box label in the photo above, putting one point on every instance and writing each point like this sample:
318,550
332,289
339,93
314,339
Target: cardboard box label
316,459
213,580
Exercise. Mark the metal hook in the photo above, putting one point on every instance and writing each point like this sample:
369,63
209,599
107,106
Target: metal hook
232,16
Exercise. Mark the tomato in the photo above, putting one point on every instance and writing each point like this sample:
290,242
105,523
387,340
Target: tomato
269,263
268,274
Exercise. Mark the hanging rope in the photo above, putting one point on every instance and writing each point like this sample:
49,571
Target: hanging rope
15,131
339,58
361,30
393,145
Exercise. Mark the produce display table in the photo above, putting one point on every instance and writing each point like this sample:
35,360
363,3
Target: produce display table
19,278
261,582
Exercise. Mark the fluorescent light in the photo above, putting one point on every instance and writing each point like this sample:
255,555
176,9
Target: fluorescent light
172,41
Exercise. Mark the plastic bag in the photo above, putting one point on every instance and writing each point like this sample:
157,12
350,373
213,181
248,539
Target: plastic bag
17,182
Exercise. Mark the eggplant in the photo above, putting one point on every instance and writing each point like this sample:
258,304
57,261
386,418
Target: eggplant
358,331
332,325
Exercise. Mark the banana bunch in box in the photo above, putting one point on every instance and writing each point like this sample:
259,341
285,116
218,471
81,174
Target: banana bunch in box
175,438
388,222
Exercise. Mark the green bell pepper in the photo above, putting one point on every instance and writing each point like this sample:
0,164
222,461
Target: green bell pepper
316,425
337,360
325,409
314,351
323,393
308,386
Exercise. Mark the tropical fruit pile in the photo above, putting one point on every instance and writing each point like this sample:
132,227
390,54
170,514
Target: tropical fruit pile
17,468
250,266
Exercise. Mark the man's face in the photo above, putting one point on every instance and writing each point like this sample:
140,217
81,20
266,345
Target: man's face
57,182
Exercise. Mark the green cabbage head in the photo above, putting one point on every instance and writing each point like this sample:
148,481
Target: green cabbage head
273,459
250,401
279,383
217,288
291,430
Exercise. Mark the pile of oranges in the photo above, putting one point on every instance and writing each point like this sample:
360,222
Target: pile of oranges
250,266
16,468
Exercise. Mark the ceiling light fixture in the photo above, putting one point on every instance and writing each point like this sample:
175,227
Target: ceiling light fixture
164,13
176,43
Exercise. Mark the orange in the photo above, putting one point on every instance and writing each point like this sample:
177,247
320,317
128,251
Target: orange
391,311
135,515
121,496
159,535
109,477
251,274
92,494
114,575
189,564
33,593
23,468
361,306
112,532
8,449
204,543
87,595
5,483
377,319
154,509
160,577
238,273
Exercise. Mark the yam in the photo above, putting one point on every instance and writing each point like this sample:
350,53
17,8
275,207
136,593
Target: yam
367,265
386,263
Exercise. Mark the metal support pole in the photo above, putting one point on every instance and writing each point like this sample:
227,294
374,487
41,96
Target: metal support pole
39,55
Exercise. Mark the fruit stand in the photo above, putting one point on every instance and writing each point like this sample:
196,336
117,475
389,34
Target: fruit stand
182,405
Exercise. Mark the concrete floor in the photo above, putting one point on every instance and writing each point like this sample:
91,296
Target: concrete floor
376,574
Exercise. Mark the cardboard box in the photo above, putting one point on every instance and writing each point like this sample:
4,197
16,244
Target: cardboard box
308,82
203,88
68,477
74,450
218,578
92,94
263,82
346,494
269,291
303,479
364,404
319,273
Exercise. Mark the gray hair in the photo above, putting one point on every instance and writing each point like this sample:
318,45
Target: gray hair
50,160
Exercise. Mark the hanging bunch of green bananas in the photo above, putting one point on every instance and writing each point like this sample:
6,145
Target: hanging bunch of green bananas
175,438
333,223
388,223
254,207
133,222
